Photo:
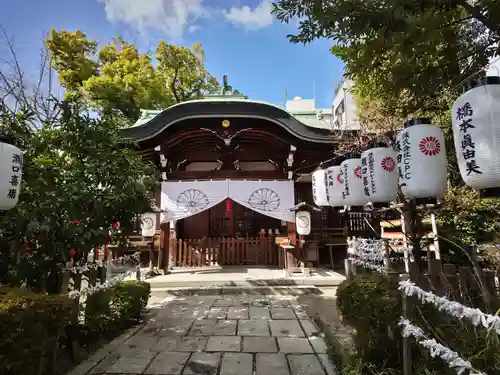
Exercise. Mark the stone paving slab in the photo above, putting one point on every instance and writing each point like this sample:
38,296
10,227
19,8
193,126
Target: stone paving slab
271,364
236,364
218,335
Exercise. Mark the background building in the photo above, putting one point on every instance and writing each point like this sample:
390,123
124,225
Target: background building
344,107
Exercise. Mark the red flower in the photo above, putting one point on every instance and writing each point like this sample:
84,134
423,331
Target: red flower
388,164
79,252
116,225
76,222
28,248
71,252
429,146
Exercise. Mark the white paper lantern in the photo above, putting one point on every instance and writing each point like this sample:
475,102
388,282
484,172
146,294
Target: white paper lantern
303,223
353,193
320,194
11,173
476,131
421,160
148,224
379,174
334,186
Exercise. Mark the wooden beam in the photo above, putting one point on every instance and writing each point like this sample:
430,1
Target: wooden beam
247,155
207,175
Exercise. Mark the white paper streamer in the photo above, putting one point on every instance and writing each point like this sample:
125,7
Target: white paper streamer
452,359
118,261
455,309
108,284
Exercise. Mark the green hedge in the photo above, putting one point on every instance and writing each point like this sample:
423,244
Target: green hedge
371,304
30,328
32,325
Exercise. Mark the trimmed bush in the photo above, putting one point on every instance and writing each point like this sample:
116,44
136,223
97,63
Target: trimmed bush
31,325
371,304
128,298
116,307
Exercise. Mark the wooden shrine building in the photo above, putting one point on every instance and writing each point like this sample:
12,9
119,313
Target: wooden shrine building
232,169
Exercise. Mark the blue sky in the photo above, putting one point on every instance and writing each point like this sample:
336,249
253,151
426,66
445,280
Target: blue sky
240,38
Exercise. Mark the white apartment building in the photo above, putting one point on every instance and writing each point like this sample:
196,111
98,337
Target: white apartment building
344,107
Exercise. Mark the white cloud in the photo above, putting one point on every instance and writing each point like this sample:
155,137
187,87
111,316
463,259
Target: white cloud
252,19
173,17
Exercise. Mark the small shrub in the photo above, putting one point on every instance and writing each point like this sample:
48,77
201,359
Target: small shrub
115,308
128,298
371,304
31,325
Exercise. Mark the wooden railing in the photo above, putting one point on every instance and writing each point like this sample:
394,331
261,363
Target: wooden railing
206,252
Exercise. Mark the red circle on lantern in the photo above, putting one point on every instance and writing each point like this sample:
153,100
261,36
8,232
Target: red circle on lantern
429,146
388,164
339,178
357,172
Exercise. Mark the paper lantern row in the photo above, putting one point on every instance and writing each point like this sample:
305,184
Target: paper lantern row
416,165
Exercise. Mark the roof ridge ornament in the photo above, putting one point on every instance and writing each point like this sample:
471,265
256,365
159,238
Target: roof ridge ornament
225,90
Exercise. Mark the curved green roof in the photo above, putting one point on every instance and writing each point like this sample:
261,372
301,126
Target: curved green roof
227,108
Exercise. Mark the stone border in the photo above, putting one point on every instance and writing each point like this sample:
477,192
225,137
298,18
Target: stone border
336,352
87,364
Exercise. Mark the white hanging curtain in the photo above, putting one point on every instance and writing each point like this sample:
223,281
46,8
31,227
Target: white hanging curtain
181,199
270,198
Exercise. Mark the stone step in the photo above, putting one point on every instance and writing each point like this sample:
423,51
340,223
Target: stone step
295,281
237,290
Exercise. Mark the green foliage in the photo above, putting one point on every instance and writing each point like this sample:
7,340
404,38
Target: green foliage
408,53
79,178
468,217
30,327
120,79
371,304
115,308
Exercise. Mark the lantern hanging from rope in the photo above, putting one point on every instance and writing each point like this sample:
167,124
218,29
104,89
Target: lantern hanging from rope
319,191
476,132
334,186
379,174
353,193
421,160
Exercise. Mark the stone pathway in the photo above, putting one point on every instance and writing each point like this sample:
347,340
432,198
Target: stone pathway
219,335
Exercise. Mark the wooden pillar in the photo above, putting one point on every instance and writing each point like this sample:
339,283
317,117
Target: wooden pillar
165,256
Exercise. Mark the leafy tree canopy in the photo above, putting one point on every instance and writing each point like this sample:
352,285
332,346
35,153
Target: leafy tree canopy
407,53
118,77
79,179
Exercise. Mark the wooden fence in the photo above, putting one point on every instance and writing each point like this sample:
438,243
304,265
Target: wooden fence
206,252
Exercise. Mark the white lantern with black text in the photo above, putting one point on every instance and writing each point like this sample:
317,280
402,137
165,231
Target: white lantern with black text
379,174
11,173
476,131
353,192
334,187
148,224
303,223
421,160
320,194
